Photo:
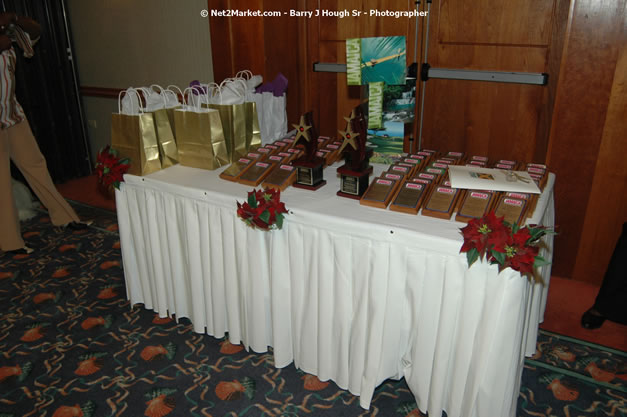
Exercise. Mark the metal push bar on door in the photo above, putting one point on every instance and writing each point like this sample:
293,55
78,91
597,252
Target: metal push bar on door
427,73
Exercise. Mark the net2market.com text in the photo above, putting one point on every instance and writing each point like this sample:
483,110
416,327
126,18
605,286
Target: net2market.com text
315,13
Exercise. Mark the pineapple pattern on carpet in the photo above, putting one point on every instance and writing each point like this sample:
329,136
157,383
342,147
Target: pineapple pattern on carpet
71,345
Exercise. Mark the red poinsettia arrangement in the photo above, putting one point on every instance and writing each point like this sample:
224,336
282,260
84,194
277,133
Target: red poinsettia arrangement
263,209
110,167
509,246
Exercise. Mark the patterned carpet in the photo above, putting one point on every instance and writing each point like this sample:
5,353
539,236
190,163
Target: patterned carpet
71,345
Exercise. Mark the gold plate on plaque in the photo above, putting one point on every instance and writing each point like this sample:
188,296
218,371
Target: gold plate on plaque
256,173
409,198
474,205
281,177
512,209
441,202
236,169
379,193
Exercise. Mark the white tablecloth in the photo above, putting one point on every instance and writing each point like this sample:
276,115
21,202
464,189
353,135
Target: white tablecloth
347,292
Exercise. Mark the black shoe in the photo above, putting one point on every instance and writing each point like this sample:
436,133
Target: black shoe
21,251
78,225
592,319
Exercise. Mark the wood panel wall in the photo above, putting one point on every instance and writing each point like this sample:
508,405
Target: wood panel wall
588,139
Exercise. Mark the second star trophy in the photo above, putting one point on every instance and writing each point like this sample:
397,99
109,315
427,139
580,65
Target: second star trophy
356,169
309,166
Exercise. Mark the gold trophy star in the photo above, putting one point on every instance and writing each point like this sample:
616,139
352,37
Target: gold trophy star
351,117
349,138
301,130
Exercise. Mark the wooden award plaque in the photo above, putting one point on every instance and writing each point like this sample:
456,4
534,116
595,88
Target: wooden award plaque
288,156
264,151
512,209
424,160
334,153
412,161
423,178
428,186
404,170
398,177
531,200
325,154
281,177
439,170
236,169
456,155
538,173
426,176
256,173
409,198
475,204
506,164
479,158
412,167
282,145
297,152
255,156
379,193
447,160
289,141
273,148
477,164
437,173
279,159
441,202
323,141
428,152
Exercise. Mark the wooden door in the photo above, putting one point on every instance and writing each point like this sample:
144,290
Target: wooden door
498,120
509,121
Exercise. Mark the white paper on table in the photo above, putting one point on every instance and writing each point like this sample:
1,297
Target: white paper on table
478,178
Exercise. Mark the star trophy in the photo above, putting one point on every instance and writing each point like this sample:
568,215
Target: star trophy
356,169
309,166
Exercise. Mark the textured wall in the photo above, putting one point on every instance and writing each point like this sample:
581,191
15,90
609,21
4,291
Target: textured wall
123,43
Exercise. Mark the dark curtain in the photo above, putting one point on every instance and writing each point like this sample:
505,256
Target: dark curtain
47,90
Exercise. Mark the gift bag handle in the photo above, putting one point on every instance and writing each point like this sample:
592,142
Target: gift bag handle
212,89
169,88
246,74
186,98
233,80
146,90
129,91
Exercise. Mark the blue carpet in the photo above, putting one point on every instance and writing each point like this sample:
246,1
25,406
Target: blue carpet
72,346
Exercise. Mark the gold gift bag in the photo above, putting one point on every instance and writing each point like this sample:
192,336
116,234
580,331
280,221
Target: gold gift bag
200,138
168,152
165,138
253,132
134,137
233,117
239,121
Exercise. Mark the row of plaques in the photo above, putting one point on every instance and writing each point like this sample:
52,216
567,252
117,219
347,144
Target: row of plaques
419,183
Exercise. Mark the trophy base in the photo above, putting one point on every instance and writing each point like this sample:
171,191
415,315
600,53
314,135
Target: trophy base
353,183
309,187
309,174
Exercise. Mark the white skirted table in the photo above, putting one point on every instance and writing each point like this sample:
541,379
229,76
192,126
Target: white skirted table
347,292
